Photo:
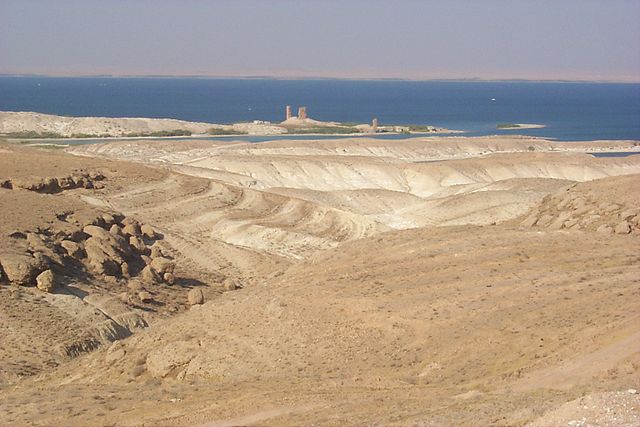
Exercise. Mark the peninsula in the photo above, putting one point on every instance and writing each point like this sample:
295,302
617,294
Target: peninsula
30,125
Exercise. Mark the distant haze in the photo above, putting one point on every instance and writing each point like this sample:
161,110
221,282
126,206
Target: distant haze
413,39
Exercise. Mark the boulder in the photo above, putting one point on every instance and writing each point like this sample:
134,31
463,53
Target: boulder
176,355
50,185
169,278
149,276
108,219
230,285
36,243
146,259
97,221
66,183
96,231
73,249
195,297
115,230
46,281
156,252
148,231
132,230
106,252
76,236
162,265
124,270
622,227
558,223
628,214
22,268
604,229
78,180
96,176
145,296
138,245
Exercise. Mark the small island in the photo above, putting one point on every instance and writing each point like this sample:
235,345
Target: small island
508,126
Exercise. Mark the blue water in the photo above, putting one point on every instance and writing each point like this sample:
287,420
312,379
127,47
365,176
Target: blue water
571,111
616,154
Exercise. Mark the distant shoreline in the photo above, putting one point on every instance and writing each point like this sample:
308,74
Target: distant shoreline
512,126
329,78
30,126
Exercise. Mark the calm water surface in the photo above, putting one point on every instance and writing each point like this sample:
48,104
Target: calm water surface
571,111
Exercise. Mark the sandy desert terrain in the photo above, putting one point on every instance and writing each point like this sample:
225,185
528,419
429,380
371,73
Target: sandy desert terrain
428,281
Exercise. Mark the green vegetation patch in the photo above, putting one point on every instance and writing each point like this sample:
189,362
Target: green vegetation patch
32,135
324,130
508,126
49,146
161,133
218,131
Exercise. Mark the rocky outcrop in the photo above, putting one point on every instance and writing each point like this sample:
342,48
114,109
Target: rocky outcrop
577,209
109,246
173,358
51,185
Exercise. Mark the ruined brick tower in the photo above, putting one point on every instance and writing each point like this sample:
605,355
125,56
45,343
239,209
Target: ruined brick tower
288,112
302,113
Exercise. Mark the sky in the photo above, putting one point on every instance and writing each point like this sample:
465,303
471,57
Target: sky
410,39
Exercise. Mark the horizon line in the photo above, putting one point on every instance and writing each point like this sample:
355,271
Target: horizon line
275,77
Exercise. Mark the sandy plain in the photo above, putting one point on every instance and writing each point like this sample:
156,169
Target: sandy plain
427,281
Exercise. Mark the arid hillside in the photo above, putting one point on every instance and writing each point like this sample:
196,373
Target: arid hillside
435,282
28,124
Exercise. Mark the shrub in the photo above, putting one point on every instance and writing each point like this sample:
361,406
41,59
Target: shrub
324,130
219,131
33,135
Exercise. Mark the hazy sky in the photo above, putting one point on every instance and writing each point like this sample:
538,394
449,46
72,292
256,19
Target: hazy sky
536,39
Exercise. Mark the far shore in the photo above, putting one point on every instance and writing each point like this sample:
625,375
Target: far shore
512,126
